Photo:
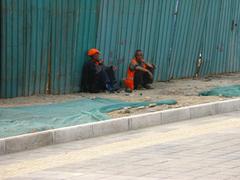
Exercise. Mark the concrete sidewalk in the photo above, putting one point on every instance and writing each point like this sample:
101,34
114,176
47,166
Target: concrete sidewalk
203,148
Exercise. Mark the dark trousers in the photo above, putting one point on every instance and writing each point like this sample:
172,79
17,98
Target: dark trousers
96,78
142,78
106,76
111,74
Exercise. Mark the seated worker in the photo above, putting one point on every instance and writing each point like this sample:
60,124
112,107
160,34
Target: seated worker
96,76
140,73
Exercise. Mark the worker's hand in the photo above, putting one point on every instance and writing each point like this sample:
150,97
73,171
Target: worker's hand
153,66
101,61
150,65
150,74
114,68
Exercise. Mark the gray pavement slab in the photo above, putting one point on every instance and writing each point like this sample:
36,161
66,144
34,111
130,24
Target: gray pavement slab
203,148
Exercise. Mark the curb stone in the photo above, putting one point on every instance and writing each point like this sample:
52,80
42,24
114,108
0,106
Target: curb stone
84,131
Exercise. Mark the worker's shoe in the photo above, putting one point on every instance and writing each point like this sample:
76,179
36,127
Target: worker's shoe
148,86
138,87
128,90
109,87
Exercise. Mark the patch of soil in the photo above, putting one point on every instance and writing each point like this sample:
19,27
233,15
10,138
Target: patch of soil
184,91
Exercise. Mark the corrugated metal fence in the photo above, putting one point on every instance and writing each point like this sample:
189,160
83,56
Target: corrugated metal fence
43,42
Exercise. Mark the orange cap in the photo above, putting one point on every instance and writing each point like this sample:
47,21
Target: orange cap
93,51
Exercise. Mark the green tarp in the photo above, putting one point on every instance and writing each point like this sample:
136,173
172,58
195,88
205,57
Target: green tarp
27,119
226,91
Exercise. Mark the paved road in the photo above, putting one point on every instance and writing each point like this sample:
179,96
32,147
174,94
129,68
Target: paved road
204,148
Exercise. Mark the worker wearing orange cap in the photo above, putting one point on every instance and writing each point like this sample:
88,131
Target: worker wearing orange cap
96,76
139,74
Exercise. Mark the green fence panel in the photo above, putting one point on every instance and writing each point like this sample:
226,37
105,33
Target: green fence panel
44,42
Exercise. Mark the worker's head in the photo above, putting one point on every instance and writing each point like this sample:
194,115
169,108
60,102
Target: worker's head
94,53
138,55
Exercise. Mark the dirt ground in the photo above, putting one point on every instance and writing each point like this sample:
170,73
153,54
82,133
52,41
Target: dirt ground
184,91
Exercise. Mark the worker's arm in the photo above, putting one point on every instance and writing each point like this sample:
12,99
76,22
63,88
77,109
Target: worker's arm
95,68
150,65
144,70
134,67
139,68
